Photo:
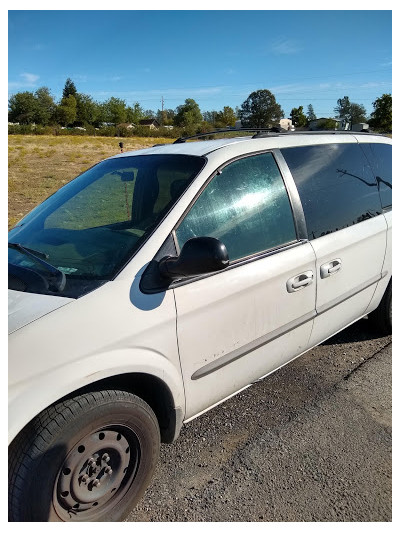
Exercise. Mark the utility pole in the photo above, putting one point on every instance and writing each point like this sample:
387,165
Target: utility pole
162,111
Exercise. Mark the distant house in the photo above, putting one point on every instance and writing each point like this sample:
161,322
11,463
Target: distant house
361,126
151,123
127,125
286,123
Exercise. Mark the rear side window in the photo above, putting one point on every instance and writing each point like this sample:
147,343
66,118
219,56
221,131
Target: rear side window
335,184
246,206
380,157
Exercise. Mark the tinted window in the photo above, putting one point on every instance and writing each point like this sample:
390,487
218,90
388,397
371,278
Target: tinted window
246,206
380,157
336,186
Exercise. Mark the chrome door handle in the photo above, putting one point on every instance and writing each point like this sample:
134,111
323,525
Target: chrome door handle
300,281
330,268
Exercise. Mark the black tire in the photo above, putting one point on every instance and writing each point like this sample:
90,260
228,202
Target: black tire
381,318
88,458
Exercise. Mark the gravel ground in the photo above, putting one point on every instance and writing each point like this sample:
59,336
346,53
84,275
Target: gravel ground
311,442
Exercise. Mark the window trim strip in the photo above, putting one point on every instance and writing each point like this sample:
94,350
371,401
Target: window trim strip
238,263
294,197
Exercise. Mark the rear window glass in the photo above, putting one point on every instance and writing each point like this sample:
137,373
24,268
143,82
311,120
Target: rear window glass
380,157
336,186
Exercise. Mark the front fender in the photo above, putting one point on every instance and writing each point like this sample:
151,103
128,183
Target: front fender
28,398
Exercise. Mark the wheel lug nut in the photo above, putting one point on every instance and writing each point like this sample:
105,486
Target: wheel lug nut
96,482
106,457
108,470
84,478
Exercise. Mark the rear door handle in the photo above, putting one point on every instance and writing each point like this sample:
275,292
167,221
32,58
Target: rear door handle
300,281
327,269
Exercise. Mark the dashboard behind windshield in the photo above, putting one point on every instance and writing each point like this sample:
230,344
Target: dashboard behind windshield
93,225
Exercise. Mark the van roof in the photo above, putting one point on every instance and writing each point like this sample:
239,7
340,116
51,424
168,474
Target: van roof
201,148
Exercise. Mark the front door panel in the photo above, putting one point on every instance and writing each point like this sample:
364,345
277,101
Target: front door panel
238,325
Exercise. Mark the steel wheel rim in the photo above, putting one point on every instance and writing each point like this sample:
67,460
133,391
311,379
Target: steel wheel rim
96,473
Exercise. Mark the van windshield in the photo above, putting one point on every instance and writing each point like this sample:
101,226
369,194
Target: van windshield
92,226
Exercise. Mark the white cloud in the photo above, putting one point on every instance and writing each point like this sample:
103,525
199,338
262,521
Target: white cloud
26,80
166,93
285,47
30,78
81,78
373,84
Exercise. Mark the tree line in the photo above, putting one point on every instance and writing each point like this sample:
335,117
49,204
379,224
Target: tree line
259,110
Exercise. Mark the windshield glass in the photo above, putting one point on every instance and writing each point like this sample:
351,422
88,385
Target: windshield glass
93,225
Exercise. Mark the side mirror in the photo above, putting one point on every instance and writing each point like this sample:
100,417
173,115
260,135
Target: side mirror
200,255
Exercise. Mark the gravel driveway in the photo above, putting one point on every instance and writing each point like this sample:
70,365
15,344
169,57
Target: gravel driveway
311,442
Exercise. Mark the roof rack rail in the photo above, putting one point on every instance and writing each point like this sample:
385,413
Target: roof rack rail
259,132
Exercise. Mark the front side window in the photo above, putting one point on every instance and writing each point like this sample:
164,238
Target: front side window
92,226
335,184
245,206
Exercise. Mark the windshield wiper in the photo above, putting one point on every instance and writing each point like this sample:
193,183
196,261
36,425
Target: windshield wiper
23,249
57,279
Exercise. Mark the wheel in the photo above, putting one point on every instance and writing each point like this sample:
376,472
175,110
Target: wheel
381,318
88,458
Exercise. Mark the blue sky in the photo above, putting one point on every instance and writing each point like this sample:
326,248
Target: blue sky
216,57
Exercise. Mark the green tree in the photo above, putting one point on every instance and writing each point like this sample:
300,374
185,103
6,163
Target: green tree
66,111
358,113
188,114
310,113
165,117
134,114
149,113
225,118
45,107
350,111
298,117
115,110
69,88
381,117
209,116
22,108
87,110
260,110
342,109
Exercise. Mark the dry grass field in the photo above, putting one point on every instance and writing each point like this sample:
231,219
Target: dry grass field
39,165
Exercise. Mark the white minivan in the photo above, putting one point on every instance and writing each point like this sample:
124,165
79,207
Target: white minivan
161,282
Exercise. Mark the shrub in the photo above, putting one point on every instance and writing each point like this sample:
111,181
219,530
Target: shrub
107,131
20,129
328,124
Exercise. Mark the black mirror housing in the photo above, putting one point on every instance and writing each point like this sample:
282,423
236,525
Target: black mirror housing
200,255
